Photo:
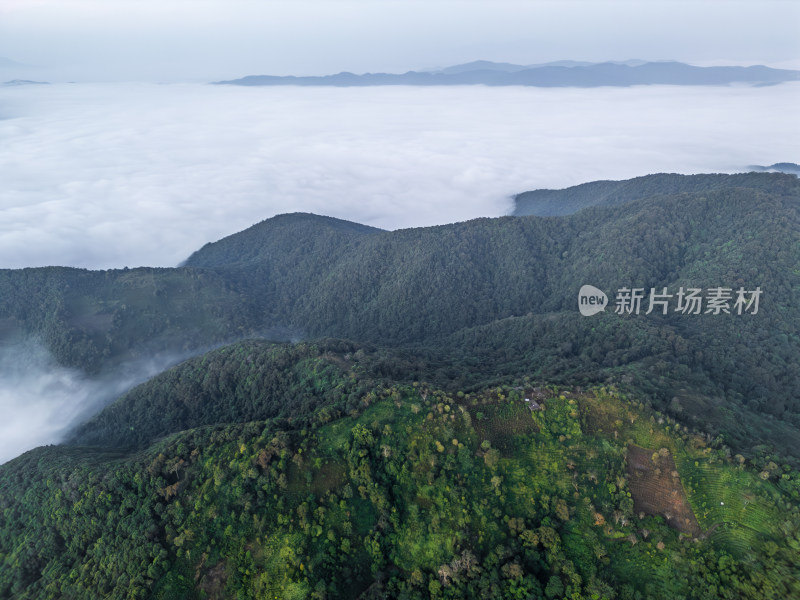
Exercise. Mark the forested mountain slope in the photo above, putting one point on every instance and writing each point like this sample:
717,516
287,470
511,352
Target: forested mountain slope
364,487
248,381
486,299
94,320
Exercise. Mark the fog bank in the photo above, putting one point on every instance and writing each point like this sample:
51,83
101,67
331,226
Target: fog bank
114,175
40,400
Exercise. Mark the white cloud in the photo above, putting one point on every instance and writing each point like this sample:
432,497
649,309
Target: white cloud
40,400
108,175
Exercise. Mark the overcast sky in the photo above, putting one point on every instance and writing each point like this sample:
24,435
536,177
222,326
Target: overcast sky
209,39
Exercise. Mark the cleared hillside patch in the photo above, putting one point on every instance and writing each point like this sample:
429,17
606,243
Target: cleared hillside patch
656,488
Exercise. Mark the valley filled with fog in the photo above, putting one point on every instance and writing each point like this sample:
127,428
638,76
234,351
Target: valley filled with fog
40,399
113,175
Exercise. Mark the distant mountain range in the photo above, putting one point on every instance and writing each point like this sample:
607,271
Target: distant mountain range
782,167
483,65
550,203
555,74
24,82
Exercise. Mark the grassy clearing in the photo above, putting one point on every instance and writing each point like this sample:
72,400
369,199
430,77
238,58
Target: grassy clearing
733,503
501,423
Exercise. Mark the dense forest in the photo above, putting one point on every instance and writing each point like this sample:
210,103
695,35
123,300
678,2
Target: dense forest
363,487
425,413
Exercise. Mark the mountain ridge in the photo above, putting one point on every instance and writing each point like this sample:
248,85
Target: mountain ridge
546,202
487,299
547,75
295,226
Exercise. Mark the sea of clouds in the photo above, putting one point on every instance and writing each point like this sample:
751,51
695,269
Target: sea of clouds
113,175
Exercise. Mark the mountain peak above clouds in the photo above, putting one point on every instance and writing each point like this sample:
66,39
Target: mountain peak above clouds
275,235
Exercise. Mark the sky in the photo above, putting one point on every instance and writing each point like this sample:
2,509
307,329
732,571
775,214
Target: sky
169,40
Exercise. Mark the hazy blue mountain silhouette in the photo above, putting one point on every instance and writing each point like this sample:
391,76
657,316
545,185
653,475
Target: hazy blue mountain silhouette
781,167
558,74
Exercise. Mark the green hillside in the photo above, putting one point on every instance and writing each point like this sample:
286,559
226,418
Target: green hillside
249,381
364,487
93,320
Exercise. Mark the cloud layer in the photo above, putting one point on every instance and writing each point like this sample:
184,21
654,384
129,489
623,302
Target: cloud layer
40,400
109,175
